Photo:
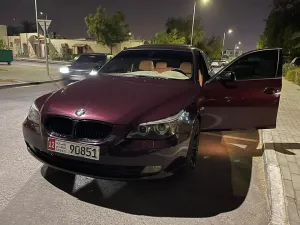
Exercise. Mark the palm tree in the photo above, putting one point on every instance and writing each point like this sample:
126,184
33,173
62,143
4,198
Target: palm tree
28,27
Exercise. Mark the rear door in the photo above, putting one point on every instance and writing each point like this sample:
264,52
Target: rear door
250,100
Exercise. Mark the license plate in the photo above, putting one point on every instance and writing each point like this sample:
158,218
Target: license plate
74,149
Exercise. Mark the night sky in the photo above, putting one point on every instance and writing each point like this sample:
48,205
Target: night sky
147,17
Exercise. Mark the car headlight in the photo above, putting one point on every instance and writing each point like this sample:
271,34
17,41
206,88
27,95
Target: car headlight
64,70
34,114
161,129
94,73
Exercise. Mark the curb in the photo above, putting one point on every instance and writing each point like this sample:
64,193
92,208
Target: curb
28,84
42,61
276,197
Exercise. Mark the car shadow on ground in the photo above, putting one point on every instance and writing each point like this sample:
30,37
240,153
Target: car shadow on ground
219,183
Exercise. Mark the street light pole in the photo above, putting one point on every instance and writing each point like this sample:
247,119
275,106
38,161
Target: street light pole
224,38
195,4
37,28
236,47
223,43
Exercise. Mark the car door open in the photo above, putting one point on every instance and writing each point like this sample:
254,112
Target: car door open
245,94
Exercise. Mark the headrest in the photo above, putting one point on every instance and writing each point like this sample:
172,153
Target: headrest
186,67
146,65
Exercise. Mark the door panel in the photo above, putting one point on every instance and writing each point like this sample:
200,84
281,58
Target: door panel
249,102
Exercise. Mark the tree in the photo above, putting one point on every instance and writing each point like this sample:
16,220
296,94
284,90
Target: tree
262,42
107,29
281,26
168,38
2,44
212,47
184,28
28,26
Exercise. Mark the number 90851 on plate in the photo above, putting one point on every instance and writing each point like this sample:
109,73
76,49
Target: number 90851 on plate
74,149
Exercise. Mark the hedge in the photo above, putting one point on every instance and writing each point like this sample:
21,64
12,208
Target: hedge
293,75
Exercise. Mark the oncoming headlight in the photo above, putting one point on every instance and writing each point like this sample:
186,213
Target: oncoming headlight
64,70
93,73
161,129
34,114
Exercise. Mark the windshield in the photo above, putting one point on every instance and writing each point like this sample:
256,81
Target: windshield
168,64
91,59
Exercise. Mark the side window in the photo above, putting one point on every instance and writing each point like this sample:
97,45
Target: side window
208,64
256,65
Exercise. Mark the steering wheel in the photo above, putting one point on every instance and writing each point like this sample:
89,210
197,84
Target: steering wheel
179,71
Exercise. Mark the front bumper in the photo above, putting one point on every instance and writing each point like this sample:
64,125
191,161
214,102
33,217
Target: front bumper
119,162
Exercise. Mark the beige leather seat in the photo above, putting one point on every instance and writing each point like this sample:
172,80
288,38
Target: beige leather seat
146,65
186,67
161,67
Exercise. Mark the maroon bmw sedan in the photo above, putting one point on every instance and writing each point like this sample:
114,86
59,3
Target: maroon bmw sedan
141,115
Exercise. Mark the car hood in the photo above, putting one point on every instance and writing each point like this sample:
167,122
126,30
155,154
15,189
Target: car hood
122,100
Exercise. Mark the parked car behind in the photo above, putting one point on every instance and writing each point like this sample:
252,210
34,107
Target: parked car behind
223,62
216,64
84,66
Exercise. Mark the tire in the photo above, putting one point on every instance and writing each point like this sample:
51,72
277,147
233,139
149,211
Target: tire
9,63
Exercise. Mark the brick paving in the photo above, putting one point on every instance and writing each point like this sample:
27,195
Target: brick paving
286,142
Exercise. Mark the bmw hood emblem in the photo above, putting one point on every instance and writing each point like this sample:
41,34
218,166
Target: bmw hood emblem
80,112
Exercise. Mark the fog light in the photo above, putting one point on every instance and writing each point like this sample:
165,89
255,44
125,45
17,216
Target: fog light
152,169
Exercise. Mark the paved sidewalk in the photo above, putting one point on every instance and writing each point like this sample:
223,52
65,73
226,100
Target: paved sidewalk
285,140
20,72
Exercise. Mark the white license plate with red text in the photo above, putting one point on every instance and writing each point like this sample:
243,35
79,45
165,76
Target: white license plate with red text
74,149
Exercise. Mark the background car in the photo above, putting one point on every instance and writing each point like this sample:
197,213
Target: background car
84,66
216,63
223,62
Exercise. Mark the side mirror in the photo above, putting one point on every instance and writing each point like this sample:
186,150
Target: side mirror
226,76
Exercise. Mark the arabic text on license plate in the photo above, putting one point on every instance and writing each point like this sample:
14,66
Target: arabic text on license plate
74,149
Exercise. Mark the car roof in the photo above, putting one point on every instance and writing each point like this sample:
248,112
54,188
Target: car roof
176,47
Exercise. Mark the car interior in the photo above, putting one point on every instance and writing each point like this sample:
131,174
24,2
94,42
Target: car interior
160,67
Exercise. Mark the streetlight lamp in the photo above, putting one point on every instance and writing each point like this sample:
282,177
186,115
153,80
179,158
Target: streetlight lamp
194,14
237,47
230,31
44,14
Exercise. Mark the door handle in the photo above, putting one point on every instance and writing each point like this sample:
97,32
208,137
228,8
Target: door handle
270,91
